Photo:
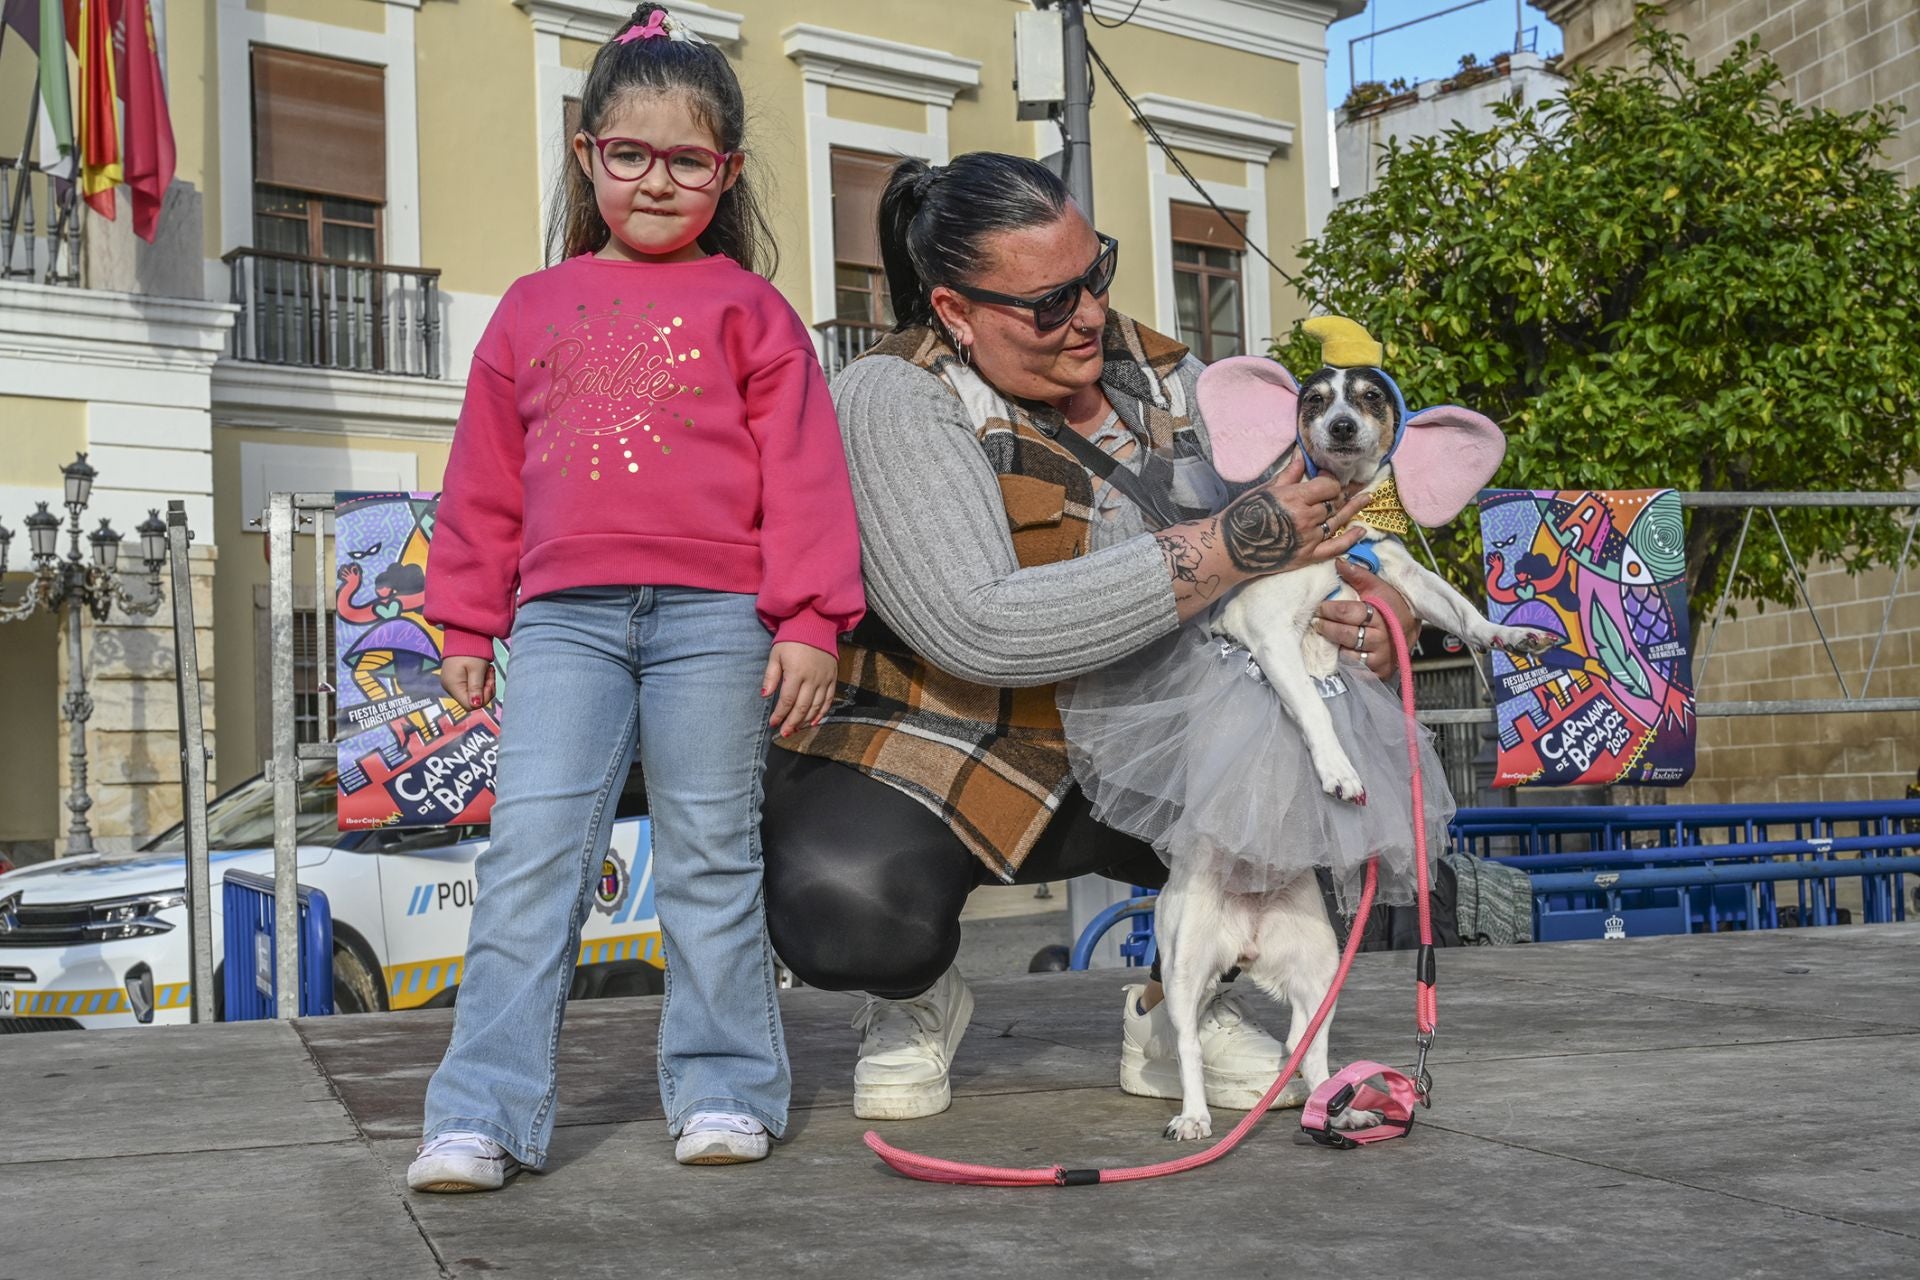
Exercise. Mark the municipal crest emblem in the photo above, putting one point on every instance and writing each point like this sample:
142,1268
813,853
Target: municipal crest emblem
611,890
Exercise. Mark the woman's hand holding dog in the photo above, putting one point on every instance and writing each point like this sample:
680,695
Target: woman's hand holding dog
1287,523
1354,627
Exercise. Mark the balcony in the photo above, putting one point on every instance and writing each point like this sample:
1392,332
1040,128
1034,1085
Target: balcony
324,313
24,240
844,340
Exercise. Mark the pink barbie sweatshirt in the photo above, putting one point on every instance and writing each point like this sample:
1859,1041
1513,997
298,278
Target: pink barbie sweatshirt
642,424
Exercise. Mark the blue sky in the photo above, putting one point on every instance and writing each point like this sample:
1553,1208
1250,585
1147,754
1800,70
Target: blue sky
1431,49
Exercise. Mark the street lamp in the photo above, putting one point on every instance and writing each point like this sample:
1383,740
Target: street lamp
75,583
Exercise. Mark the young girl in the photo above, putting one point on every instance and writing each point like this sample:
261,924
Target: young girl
647,493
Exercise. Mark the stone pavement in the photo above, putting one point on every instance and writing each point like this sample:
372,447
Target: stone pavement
1739,1105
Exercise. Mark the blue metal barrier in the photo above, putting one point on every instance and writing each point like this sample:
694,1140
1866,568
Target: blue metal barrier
247,900
1697,867
1141,939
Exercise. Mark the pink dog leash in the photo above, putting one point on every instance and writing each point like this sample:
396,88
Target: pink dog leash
1344,1091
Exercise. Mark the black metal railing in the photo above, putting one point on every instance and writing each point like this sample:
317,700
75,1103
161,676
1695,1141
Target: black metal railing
845,340
23,239
325,313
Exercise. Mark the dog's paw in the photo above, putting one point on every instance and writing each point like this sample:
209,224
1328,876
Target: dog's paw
1186,1128
1355,1120
1343,784
1523,640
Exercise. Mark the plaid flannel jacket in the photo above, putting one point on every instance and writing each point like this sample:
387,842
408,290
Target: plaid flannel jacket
992,762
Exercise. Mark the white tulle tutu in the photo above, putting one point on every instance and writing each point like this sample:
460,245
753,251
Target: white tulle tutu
1186,746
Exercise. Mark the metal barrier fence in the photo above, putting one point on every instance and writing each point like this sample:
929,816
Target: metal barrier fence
252,972
1606,870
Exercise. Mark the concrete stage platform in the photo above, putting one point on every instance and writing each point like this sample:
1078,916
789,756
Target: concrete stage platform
1740,1105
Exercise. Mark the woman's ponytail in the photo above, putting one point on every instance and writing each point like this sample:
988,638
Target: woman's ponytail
934,223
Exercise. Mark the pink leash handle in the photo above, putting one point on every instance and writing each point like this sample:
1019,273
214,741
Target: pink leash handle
934,1169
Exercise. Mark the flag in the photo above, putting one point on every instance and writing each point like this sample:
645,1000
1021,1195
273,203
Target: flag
149,143
43,26
99,137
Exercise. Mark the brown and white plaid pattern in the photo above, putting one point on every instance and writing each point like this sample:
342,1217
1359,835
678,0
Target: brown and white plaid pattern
993,762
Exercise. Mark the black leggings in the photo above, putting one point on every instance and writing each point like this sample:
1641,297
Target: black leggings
865,884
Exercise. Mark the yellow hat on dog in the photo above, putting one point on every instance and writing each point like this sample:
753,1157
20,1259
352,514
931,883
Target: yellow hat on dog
1343,343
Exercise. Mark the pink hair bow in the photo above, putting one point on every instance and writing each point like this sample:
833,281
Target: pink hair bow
656,25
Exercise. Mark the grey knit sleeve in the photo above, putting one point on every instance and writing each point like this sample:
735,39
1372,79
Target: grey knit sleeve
938,559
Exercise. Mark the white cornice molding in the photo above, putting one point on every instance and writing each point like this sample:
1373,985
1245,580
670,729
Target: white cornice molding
1217,131
597,20
126,329
1294,30
334,402
845,60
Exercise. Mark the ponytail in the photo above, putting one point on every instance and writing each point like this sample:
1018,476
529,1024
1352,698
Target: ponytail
934,223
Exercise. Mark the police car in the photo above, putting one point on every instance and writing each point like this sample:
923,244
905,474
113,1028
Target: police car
101,941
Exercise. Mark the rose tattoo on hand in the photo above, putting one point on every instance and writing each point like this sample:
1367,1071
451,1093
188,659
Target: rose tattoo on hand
1259,533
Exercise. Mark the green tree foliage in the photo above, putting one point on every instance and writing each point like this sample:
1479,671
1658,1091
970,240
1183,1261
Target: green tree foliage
1670,278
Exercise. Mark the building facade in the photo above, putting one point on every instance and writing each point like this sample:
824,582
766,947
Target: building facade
360,180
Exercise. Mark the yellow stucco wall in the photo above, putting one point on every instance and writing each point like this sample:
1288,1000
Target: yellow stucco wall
31,747
578,54
41,436
480,215
192,101
243,576
361,15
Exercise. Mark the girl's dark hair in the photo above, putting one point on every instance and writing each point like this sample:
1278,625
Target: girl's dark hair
934,222
701,72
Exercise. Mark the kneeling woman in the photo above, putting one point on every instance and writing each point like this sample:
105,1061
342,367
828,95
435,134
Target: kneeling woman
999,563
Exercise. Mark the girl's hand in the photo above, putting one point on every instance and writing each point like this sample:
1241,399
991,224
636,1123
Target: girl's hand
806,678
1356,630
468,681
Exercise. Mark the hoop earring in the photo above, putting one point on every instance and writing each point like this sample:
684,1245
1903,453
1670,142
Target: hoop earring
966,356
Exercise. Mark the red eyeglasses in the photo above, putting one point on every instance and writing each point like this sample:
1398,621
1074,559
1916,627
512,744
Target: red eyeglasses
629,160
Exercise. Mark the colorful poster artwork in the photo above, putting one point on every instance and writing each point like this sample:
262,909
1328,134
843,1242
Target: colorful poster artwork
1606,572
409,755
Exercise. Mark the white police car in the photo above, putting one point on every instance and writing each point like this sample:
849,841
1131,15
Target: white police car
101,941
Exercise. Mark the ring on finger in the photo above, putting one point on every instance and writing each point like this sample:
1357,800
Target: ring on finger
1326,531
1369,621
1330,508
1360,640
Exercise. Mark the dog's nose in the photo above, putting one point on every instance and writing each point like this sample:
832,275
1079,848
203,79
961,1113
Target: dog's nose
1343,430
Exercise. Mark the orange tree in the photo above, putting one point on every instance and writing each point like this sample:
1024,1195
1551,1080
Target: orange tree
1670,277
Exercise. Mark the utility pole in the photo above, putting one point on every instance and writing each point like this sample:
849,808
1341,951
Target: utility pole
1079,157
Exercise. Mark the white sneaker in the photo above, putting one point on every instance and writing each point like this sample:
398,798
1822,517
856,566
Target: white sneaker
1238,1060
905,1049
721,1137
461,1162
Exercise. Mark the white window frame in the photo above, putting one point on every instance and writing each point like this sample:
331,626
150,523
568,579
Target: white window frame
240,28
844,60
1241,136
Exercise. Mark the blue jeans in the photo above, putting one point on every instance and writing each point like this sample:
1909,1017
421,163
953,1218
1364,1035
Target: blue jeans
592,670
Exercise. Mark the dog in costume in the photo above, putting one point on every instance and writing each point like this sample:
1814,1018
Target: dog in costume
1240,747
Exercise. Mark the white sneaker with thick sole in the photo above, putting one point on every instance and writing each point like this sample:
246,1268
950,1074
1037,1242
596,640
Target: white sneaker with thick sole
906,1047
1238,1060
461,1162
721,1137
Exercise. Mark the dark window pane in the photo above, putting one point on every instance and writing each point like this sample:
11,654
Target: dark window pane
1183,252
348,211
349,244
1223,311
1224,345
279,200
282,235
1186,299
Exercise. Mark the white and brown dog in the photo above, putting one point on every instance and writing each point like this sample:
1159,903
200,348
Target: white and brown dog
1351,422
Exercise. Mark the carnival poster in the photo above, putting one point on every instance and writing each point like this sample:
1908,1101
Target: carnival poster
1606,572
409,755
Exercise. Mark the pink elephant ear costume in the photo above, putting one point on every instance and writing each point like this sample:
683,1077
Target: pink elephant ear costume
1442,458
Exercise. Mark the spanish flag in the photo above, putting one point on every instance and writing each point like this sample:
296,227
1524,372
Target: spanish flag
99,139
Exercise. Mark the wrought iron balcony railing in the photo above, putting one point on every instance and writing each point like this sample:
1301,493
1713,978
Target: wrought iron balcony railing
845,340
325,313
23,240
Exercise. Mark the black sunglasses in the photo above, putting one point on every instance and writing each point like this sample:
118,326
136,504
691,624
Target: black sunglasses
1056,306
